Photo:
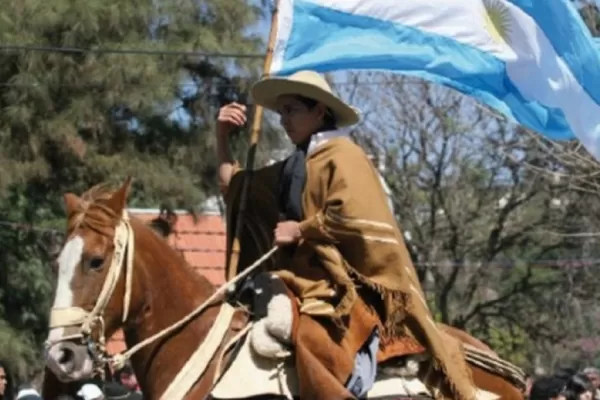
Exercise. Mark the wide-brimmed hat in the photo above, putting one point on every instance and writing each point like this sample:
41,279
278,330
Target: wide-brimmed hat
308,84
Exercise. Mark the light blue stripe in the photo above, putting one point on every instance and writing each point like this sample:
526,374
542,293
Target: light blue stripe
326,40
570,37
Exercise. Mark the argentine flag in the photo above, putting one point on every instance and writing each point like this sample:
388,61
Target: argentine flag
533,61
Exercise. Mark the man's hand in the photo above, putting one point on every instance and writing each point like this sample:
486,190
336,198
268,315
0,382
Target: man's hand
287,232
230,116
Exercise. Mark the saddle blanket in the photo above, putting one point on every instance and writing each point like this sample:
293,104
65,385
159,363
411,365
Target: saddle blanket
252,375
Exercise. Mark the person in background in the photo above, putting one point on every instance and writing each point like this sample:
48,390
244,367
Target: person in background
529,380
127,377
547,388
6,384
115,390
27,392
579,387
593,374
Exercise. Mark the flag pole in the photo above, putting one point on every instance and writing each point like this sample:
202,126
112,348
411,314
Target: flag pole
254,139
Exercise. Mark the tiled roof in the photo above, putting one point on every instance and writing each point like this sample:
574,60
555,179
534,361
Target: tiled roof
202,242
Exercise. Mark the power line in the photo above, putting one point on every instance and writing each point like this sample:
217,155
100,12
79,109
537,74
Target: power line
563,263
182,85
141,52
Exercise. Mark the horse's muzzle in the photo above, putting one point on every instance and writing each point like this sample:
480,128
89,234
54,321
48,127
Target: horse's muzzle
69,361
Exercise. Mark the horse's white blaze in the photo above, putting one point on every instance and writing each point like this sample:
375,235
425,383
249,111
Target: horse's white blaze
68,260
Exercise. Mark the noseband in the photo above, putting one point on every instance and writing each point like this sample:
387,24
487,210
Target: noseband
85,321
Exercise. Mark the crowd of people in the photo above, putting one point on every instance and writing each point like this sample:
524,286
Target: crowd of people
567,384
123,386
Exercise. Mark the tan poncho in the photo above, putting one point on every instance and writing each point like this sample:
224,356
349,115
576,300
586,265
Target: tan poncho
350,237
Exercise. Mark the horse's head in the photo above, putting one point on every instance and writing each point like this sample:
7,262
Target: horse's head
94,291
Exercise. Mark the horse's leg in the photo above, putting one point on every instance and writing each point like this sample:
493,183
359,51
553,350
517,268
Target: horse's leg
495,384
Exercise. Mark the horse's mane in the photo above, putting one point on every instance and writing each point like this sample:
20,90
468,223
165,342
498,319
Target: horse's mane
94,212
100,191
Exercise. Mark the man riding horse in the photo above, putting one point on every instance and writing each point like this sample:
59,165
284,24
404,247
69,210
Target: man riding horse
357,300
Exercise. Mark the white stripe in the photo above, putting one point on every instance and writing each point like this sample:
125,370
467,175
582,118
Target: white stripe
68,260
542,75
285,15
461,20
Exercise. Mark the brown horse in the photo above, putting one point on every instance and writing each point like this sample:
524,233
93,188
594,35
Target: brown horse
52,386
142,285
162,290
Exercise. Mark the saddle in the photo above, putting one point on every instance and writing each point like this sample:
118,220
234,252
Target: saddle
324,352
313,358
252,375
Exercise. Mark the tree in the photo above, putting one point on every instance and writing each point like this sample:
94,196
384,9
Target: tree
480,220
72,119
591,16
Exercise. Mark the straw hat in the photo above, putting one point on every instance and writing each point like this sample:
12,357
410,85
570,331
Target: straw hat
308,84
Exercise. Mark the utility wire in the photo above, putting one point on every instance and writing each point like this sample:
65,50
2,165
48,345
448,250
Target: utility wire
560,263
13,48
182,85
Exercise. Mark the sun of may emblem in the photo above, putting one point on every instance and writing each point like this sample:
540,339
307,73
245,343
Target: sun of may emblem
497,20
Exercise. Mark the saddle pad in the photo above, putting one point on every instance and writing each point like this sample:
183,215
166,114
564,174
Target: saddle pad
251,375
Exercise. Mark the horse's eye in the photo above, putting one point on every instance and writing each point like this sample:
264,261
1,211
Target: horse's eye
96,262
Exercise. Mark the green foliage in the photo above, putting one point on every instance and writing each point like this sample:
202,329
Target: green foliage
68,121
25,292
20,350
510,344
71,120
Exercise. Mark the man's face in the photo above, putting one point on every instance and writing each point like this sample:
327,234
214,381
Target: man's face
595,379
297,119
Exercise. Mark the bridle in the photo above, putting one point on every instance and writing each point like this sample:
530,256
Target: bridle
85,321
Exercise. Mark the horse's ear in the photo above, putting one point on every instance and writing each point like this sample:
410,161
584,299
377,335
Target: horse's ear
72,202
118,201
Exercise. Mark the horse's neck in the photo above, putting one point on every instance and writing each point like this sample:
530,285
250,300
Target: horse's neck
171,290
